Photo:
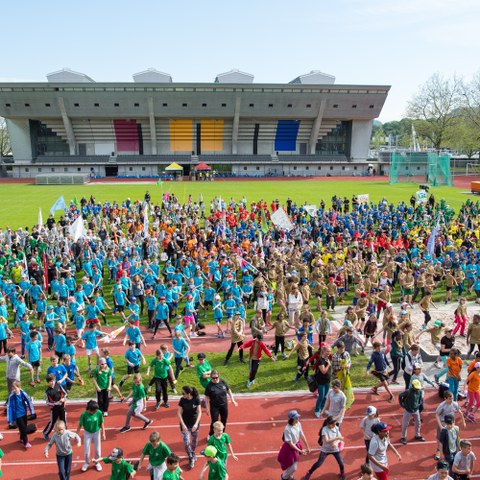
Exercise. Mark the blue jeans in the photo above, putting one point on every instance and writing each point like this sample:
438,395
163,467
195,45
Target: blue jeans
453,384
64,463
322,396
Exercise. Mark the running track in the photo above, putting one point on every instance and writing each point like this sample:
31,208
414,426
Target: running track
255,427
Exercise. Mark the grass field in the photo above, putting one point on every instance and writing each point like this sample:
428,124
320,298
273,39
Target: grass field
19,203
278,376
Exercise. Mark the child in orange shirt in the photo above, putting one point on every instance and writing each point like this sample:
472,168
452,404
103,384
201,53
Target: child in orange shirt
454,364
473,385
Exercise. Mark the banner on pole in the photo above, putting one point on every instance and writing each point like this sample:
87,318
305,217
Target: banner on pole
280,219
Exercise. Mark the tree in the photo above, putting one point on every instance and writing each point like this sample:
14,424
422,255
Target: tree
471,103
4,141
464,136
435,106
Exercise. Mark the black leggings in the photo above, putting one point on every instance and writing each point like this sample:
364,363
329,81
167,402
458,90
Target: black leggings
22,428
232,348
367,446
330,302
216,412
103,401
322,458
161,389
254,364
279,344
157,324
396,362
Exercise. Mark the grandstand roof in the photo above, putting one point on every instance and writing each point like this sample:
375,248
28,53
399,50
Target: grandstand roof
68,76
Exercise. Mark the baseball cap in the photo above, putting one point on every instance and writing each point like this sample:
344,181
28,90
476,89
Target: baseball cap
437,323
201,356
371,410
417,365
403,312
50,307
477,365
210,451
383,427
416,384
293,415
448,419
116,454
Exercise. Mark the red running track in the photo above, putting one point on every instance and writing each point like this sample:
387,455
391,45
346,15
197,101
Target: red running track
255,427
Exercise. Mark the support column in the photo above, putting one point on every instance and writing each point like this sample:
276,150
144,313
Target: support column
68,126
153,130
236,122
317,123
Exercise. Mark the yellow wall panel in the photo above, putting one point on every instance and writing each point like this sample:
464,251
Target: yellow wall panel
181,136
212,136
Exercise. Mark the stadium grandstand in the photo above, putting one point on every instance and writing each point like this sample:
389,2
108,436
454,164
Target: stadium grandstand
74,125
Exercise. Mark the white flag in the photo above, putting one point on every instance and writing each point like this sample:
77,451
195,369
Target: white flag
280,219
77,230
40,218
363,198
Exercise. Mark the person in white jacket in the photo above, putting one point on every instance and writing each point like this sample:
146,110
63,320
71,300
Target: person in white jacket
295,302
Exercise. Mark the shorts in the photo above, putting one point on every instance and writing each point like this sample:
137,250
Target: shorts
208,302
382,376
218,320
91,351
408,291
36,363
94,321
189,319
134,369
120,308
449,289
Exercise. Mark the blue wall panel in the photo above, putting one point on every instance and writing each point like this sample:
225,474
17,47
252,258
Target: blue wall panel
286,137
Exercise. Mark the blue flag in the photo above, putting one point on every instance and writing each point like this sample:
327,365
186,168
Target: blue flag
58,205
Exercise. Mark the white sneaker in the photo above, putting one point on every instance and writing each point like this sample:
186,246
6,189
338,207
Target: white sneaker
317,414
249,384
85,467
98,467
105,414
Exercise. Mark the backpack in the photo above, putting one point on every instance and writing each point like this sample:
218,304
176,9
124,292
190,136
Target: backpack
403,360
402,398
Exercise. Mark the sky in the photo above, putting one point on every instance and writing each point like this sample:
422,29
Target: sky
370,42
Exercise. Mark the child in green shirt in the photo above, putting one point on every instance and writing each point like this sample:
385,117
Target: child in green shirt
161,368
173,471
138,404
220,440
120,467
157,452
216,468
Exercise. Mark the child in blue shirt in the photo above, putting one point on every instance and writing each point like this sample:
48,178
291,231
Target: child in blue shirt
5,332
134,312
133,357
91,346
58,370
34,353
101,304
72,372
134,335
218,315
60,342
151,302
180,352
24,331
